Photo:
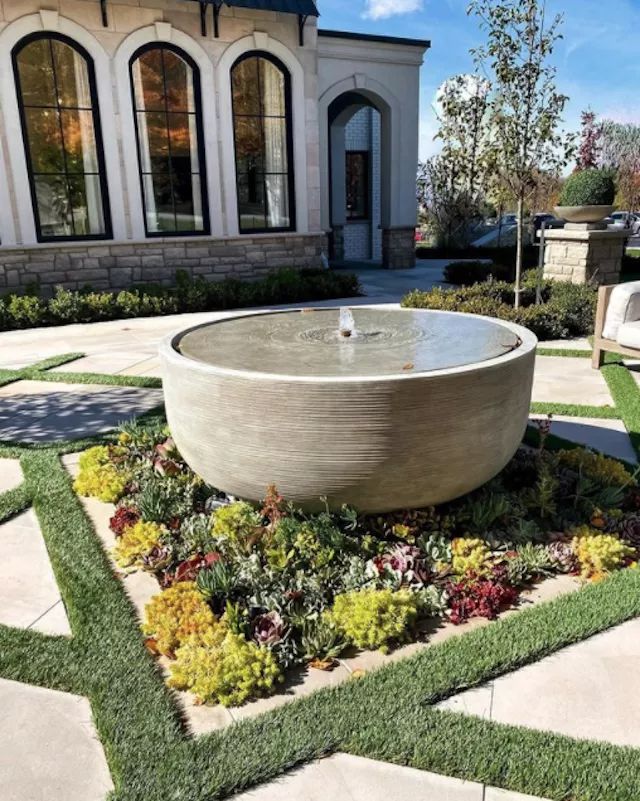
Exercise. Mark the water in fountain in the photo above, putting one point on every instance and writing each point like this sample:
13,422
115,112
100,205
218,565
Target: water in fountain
347,325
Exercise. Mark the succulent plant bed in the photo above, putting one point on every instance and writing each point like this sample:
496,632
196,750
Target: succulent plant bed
245,595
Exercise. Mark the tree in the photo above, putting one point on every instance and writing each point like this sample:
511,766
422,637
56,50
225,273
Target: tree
620,151
589,147
525,109
450,185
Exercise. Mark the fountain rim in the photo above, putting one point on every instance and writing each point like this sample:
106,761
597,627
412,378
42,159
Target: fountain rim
168,349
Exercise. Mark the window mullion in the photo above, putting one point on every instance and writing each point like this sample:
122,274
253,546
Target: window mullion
62,140
166,119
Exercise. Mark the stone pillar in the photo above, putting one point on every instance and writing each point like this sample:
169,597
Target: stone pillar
398,247
581,254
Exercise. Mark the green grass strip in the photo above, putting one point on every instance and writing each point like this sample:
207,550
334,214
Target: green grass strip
567,352
576,410
626,395
14,501
55,361
149,382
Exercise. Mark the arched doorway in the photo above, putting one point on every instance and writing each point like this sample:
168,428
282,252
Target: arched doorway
357,189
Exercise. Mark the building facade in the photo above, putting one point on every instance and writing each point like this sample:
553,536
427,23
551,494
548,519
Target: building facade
138,137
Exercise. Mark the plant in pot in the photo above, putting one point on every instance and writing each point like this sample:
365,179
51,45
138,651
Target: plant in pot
586,197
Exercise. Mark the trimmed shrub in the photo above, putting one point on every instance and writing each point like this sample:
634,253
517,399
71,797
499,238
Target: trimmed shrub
189,294
465,273
588,188
499,255
567,310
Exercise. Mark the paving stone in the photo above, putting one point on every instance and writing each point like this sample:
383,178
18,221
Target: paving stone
41,411
10,474
568,691
29,595
50,749
111,363
607,436
560,379
580,343
343,777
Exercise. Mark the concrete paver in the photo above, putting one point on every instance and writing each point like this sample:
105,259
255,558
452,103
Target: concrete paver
607,436
343,777
568,691
10,474
29,595
42,411
50,749
561,379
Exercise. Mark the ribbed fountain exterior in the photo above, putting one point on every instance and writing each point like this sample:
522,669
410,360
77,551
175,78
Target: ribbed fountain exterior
372,429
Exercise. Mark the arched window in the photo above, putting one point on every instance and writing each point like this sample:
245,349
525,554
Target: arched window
261,89
58,105
166,101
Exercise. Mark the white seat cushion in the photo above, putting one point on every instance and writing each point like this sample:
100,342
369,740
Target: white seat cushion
624,307
629,335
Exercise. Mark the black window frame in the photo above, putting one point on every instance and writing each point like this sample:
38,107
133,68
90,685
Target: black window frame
288,117
202,161
366,156
97,127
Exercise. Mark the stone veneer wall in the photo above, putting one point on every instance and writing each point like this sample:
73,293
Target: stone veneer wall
579,256
398,248
106,265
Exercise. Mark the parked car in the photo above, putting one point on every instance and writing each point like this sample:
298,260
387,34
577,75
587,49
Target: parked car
549,220
508,219
624,219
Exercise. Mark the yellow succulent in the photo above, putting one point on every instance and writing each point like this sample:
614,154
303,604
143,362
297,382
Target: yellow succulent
599,554
223,667
596,466
470,555
136,541
177,615
99,477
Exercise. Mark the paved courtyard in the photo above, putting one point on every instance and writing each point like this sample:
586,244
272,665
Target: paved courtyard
50,748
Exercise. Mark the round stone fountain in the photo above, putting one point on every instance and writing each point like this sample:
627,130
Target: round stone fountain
378,408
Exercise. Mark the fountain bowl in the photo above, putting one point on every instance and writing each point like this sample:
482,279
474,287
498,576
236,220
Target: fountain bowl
417,408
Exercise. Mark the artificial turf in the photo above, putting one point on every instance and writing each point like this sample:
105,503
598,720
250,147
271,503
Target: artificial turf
388,714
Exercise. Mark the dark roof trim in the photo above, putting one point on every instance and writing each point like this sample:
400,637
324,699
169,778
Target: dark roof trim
371,37
305,7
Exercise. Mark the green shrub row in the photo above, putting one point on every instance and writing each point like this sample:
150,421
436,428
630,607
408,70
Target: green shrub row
188,295
465,273
567,310
499,255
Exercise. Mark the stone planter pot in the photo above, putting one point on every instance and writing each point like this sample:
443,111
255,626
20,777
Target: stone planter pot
583,214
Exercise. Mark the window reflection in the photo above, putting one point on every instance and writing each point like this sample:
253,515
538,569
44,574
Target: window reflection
55,86
165,87
261,113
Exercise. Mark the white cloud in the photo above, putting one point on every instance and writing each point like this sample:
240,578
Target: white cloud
381,9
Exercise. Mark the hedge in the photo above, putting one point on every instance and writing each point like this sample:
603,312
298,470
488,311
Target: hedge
188,295
567,310
499,255
465,273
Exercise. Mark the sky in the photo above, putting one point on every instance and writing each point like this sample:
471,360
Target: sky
598,58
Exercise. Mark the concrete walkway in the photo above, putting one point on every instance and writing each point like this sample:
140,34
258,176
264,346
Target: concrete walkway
588,691
343,777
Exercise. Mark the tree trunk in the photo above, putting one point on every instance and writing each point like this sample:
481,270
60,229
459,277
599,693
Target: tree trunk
519,241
